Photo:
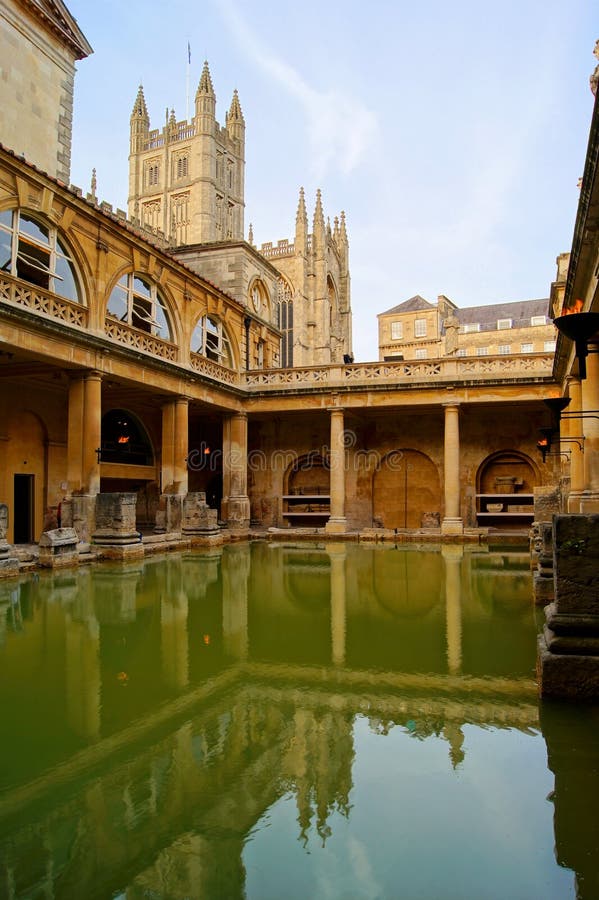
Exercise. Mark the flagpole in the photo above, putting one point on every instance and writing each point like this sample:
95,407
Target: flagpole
187,83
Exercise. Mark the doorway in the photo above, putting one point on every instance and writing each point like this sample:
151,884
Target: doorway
23,511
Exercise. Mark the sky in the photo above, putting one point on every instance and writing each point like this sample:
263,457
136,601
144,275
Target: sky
452,135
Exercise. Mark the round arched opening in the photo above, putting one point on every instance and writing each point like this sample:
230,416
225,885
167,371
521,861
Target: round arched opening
125,440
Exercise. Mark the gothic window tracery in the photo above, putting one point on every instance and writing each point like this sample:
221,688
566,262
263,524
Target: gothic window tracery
182,167
136,301
151,213
211,340
180,217
285,322
34,251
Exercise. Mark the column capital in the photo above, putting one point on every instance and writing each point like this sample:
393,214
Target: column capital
451,404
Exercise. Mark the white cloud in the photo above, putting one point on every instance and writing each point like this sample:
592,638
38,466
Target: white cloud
341,130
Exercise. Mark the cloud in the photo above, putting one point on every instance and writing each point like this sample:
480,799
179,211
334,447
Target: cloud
341,130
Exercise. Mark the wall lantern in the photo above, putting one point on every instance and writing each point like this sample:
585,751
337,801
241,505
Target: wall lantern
544,442
579,327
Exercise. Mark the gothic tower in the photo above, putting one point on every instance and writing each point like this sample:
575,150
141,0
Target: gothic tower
186,180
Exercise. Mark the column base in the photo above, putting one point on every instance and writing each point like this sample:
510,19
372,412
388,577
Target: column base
589,502
567,676
238,513
452,526
336,525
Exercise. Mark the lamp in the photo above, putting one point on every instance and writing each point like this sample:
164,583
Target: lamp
544,442
579,327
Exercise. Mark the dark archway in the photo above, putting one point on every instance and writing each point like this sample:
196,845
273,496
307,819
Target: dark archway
125,440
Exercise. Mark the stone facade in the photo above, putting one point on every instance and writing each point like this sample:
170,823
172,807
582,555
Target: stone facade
38,50
417,329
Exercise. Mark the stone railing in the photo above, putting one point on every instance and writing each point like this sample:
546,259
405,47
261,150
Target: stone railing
37,300
213,370
432,371
139,340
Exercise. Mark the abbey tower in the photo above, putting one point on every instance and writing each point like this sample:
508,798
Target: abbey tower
186,183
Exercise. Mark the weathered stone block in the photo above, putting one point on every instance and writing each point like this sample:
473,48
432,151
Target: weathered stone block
58,548
198,518
547,503
169,513
115,520
567,675
576,563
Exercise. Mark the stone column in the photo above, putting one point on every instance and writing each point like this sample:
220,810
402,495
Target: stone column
92,432
575,428
167,466
338,608
181,445
235,452
337,523
452,523
589,500
75,434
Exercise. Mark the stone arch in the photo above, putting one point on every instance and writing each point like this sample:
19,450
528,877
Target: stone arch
507,471
125,439
406,486
308,474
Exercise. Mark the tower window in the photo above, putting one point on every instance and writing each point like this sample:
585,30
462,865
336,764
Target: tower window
182,167
285,323
152,173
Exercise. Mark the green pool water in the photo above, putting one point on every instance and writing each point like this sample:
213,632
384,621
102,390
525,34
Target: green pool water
278,721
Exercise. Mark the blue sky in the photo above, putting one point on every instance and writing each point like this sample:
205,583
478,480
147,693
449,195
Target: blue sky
453,135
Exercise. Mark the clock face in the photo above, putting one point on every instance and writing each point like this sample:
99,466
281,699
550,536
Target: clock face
256,299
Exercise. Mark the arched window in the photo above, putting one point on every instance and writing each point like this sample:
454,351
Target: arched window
33,250
285,322
124,439
210,339
136,301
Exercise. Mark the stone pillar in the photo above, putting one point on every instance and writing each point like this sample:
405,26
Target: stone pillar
181,445
575,429
167,465
452,522
75,435
337,523
568,649
92,433
589,500
116,531
9,565
235,453
452,556
338,607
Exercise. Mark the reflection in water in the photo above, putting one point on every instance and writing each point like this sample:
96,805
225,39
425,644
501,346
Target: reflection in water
375,705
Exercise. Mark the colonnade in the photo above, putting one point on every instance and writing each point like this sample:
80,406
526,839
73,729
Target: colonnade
84,455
